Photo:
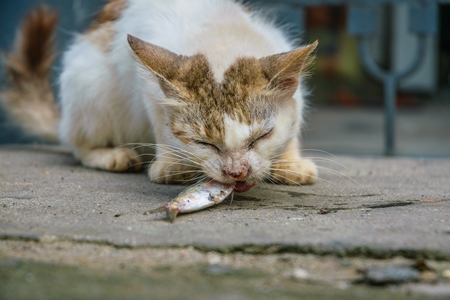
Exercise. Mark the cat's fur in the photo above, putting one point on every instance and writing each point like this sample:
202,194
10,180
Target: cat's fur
215,86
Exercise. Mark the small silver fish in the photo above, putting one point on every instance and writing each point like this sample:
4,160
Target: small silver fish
197,197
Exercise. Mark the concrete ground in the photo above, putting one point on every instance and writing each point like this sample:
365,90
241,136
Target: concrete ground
423,131
370,228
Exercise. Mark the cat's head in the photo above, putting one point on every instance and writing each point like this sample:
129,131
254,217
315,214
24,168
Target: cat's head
235,128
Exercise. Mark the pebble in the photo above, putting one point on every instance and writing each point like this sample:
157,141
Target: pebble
299,274
446,273
391,275
213,258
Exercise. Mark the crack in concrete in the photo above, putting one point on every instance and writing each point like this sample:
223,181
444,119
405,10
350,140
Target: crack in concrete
17,197
297,194
332,249
390,204
300,194
298,207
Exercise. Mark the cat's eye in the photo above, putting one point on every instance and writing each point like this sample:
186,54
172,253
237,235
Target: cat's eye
208,145
261,137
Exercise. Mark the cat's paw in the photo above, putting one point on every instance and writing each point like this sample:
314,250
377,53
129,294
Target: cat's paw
172,172
124,159
296,172
112,159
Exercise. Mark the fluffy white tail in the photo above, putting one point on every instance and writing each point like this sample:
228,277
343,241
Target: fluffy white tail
29,98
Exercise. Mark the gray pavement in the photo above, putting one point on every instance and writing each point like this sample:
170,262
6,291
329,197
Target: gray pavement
361,209
421,131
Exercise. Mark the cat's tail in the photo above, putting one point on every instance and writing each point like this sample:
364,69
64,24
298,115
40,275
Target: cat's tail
29,97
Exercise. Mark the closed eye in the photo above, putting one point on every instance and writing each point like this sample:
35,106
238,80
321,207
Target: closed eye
261,137
208,145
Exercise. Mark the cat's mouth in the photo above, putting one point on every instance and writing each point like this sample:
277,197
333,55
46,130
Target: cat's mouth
242,186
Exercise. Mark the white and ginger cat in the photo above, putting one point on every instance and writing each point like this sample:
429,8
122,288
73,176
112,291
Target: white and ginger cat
209,84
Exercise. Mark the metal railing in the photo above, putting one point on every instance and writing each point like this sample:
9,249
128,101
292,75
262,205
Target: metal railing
362,23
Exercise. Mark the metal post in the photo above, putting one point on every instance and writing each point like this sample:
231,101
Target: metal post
390,111
362,23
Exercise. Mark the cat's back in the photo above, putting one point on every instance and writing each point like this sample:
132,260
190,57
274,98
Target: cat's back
190,27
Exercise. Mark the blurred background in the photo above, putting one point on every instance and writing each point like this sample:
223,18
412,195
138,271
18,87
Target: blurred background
345,113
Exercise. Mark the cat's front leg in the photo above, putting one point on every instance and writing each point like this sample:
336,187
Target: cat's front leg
290,168
169,168
119,159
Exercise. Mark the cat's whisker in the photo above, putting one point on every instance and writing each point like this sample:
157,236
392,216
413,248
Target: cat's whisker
339,174
176,151
282,162
194,180
144,154
320,151
267,177
323,159
173,148
128,145
276,178
276,156
175,163
297,173
187,161
200,175
170,156
305,150
131,166
232,197
176,155
178,173
173,152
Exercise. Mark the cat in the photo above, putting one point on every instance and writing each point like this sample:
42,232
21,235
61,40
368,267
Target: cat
211,85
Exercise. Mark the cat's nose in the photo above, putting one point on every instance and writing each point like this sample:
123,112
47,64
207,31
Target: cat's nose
238,176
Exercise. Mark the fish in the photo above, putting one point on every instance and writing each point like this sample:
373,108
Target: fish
201,195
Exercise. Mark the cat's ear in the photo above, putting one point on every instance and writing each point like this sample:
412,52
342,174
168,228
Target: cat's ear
163,63
284,70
